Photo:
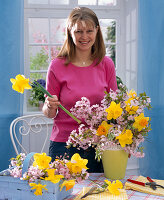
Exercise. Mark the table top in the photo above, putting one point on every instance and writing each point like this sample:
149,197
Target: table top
99,178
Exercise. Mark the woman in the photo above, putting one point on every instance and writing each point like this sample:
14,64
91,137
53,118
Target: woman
81,69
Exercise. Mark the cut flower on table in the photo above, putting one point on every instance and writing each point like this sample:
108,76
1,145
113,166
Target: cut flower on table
119,121
114,186
20,83
106,190
43,169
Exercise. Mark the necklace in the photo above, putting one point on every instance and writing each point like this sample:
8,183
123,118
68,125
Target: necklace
82,63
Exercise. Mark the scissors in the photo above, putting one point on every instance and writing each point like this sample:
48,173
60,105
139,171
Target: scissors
151,183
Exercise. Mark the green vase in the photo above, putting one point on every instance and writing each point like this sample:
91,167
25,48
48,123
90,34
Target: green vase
114,163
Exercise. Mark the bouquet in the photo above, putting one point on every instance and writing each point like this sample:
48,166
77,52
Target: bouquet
118,121
70,171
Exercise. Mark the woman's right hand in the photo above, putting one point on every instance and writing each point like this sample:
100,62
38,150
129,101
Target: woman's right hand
50,106
52,103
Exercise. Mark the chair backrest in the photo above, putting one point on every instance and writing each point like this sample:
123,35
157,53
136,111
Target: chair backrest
30,133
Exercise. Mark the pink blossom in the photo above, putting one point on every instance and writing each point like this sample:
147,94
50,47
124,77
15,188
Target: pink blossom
113,95
131,117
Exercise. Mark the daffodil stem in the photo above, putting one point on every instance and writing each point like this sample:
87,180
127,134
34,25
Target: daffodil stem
62,107
95,183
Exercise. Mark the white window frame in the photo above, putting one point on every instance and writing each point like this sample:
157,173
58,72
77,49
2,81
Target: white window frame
61,11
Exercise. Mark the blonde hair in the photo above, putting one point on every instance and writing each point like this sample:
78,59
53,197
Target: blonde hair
68,49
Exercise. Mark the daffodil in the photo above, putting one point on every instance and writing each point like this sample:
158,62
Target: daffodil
132,94
41,160
129,108
52,177
20,83
114,186
140,122
128,102
114,111
77,164
125,137
103,128
38,187
68,184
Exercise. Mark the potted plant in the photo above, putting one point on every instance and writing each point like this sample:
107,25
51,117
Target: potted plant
37,96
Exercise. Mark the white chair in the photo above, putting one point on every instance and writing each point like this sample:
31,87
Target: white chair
30,133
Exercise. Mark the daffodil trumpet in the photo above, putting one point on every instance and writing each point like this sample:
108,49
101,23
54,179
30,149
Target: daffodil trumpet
20,83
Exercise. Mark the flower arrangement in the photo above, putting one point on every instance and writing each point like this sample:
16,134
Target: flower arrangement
20,83
118,121
69,171
37,95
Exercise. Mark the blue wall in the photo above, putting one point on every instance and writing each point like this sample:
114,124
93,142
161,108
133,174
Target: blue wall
11,64
151,80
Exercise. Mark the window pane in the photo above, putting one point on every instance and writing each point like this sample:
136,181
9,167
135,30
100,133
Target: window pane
111,52
38,30
86,2
38,1
59,2
107,2
108,27
57,30
38,75
38,57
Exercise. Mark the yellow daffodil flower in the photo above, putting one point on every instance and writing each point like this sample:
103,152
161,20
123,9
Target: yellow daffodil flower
77,164
41,160
140,122
114,186
114,111
68,184
103,128
20,83
52,177
132,94
125,137
38,188
130,109
128,102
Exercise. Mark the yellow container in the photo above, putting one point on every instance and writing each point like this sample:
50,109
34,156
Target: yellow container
114,163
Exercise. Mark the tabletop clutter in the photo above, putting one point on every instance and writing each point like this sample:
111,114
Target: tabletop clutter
39,179
121,122
141,184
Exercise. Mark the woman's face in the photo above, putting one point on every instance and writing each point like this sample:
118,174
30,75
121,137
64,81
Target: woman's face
83,35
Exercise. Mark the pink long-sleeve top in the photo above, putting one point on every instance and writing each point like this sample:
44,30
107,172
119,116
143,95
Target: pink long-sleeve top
70,83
